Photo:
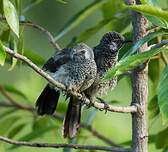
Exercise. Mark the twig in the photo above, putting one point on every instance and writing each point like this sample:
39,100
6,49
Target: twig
75,146
95,133
28,23
97,105
151,27
60,116
5,93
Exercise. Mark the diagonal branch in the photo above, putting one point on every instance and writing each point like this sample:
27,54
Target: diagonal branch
75,146
38,27
97,105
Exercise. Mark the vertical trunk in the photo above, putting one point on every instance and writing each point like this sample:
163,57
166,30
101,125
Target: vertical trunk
139,86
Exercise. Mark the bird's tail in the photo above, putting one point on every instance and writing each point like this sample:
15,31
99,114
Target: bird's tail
72,119
47,101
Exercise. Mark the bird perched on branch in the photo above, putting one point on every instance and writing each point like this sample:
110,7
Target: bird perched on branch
73,67
106,56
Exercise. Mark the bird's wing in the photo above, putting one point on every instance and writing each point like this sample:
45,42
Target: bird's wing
60,58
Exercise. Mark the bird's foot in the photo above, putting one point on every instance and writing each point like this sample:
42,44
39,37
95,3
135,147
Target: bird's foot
106,106
91,102
83,99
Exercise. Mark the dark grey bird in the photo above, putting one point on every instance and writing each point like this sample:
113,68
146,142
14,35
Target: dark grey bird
73,67
106,56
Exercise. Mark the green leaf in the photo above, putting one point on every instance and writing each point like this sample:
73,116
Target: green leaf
5,35
91,31
131,62
153,107
79,18
14,90
162,139
15,130
11,16
111,8
150,10
32,3
156,21
61,1
6,125
14,60
1,7
34,134
163,95
35,58
2,54
145,39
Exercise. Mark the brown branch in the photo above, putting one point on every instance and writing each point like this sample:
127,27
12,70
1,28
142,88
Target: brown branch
5,93
139,85
38,27
75,146
97,105
152,27
60,116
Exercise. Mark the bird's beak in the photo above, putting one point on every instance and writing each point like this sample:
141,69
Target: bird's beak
127,41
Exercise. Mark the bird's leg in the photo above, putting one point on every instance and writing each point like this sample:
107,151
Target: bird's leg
91,101
83,99
106,106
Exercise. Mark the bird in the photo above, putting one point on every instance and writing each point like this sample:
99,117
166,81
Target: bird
105,56
73,67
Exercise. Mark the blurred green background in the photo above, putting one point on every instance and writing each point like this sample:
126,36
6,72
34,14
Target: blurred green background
53,15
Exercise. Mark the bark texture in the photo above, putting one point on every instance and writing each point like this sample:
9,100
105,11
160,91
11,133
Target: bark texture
139,86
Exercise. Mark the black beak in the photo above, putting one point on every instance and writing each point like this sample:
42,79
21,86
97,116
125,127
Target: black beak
127,41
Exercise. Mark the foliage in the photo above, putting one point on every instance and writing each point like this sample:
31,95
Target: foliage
25,125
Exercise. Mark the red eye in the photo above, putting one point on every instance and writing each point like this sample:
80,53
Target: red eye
116,41
83,51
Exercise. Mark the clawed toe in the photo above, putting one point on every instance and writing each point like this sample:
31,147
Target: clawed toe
106,106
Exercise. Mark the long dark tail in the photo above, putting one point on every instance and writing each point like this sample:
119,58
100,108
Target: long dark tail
47,101
72,119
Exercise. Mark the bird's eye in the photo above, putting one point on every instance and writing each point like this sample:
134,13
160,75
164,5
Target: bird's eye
83,51
116,41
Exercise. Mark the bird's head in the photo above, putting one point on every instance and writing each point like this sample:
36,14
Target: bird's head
113,41
82,52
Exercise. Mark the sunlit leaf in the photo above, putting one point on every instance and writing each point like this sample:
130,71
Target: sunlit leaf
163,95
150,10
14,90
11,16
2,54
131,62
15,130
162,139
145,39
79,18
156,21
6,125
33,135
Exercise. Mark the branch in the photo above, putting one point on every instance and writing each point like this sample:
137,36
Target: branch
139,85
97,105
151,27
5,93
60,116
87,147
38,27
